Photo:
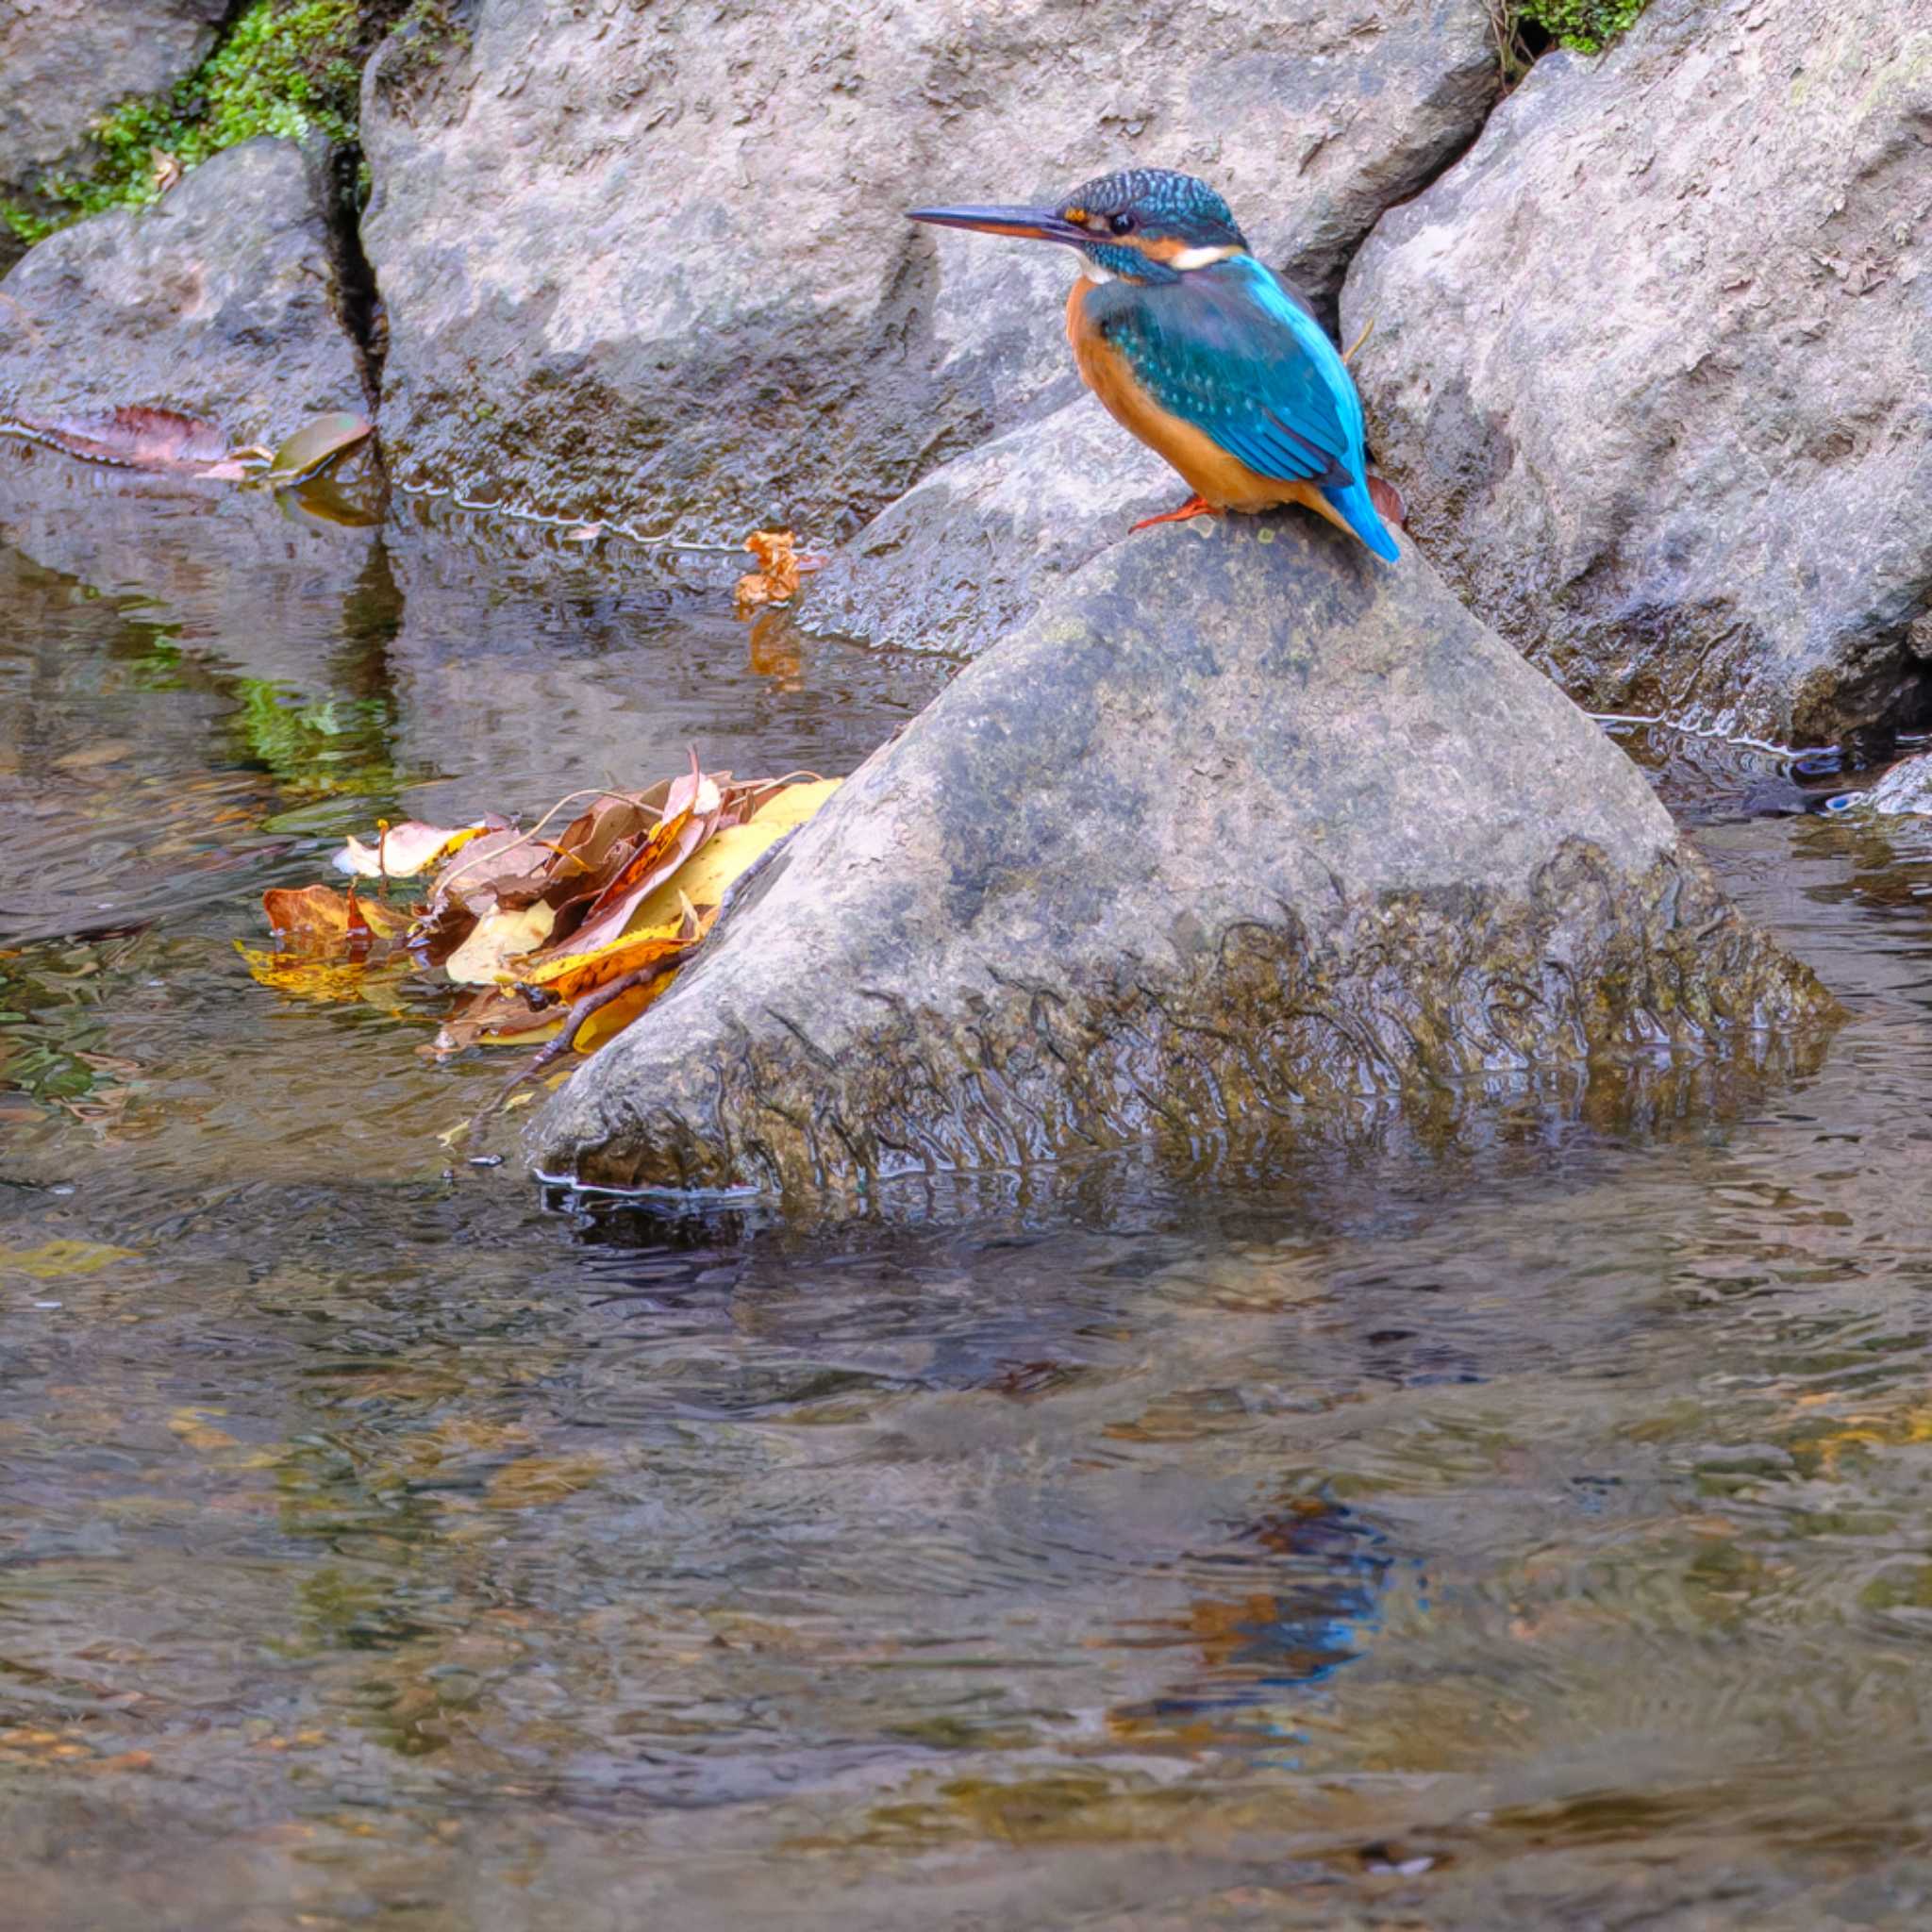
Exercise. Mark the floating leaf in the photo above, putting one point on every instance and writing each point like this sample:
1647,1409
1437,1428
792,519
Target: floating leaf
777,576
499,938
138,437
565,932
569,974
322,912
315,445
401,852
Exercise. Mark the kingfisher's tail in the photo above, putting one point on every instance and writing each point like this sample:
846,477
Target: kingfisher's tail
1358,509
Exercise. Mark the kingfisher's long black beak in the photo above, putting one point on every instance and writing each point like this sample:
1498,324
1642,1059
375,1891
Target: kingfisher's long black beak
1036,224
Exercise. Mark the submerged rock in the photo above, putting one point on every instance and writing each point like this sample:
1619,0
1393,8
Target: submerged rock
220,301
1652,365
66,62
649,260
1243,825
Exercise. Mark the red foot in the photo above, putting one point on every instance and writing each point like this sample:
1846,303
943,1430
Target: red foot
1194,507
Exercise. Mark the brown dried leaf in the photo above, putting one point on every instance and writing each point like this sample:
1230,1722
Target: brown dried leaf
779,567
135,436
315,445
1388,501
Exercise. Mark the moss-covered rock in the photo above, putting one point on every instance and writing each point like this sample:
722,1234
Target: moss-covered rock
224,302
291,68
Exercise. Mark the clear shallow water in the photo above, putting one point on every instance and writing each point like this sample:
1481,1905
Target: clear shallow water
1523,1526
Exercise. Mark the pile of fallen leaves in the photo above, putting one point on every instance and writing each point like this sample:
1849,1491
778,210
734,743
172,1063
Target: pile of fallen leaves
532,935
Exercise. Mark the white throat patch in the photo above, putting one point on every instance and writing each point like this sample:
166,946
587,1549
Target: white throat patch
1200,258
1094,273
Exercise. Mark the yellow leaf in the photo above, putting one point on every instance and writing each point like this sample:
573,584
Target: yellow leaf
306,977
499,938
571,974
707,876
612,1017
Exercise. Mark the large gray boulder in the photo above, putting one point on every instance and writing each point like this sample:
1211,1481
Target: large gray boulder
974,549
1243,825
655,262
220,301
1653,365
64,64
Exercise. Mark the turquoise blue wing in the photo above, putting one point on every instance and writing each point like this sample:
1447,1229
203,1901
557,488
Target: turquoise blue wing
1228,350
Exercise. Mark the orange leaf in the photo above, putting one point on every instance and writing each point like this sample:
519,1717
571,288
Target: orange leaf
777,576
321,913
572,973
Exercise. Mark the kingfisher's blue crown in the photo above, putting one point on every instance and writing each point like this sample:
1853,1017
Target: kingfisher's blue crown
1157,201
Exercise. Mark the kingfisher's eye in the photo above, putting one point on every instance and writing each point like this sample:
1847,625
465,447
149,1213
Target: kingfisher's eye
1120,224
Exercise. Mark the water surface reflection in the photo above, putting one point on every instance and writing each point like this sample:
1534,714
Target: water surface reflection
1520,1522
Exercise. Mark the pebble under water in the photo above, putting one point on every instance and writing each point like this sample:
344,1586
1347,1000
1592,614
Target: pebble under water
1526,1527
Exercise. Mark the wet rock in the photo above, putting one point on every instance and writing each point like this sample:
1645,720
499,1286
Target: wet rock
66,62
1241,827
975,548
1906,789
220,300
1651,365
657,262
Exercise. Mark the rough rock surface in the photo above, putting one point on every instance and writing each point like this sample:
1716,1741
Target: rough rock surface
655,261
1244,824
979,544
1653,365
1905,789
65,62
221,300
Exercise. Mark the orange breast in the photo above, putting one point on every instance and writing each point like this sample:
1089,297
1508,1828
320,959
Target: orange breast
1208,470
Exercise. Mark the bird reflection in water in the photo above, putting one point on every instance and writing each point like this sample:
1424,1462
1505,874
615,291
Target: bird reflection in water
1314,1610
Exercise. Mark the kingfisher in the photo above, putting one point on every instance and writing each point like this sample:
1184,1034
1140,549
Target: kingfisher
1201,350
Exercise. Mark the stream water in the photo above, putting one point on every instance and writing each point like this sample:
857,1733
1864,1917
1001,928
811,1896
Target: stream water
1529,1528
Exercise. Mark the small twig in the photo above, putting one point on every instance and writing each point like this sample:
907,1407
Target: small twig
1349,354
554,1050
588,792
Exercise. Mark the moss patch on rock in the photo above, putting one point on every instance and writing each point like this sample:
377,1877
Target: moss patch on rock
284,67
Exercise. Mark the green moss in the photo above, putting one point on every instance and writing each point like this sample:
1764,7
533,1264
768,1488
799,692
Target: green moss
315,745
285,67
1588,25
1524,28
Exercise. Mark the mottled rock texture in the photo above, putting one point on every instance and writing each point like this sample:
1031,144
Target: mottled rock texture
1905,789
1242,825
223,301
65,62
655,259
974,548
1653,365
